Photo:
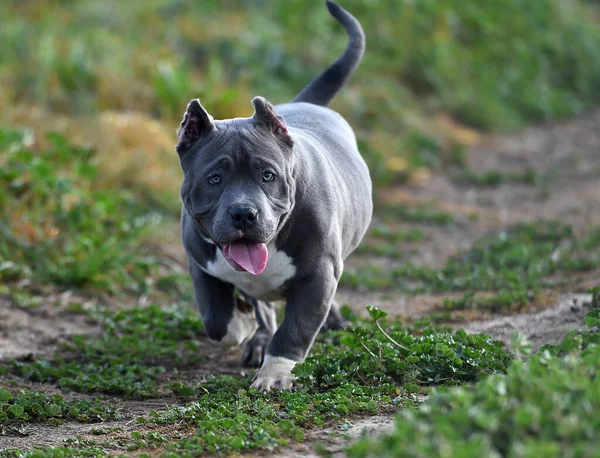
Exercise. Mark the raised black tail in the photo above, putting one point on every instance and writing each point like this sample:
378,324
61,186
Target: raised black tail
323,89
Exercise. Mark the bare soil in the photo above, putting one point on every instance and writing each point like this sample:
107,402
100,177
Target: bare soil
38,329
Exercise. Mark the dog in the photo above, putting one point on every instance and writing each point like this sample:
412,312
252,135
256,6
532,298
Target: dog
272,206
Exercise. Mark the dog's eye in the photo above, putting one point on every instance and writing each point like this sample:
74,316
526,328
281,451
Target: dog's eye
268,176
214,179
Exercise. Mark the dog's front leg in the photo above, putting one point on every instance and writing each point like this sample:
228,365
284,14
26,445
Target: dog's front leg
256,347
308,303
227,319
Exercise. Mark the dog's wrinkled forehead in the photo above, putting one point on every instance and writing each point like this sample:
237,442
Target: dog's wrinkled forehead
202,138
239,141
230,137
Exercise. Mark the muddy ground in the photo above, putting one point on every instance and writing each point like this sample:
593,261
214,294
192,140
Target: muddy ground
566,157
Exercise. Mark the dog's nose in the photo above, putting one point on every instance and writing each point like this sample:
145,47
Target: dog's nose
243,217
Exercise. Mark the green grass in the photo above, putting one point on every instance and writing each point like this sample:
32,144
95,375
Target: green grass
476,61
472,60
80,447
385,240
421,214
514,264
35,406
57,225
136,346
521,407
139,344
389,234
543,406
494,178
510,57
55,452
361,371
369,354
378,365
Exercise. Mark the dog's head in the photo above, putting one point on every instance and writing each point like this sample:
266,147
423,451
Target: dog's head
238,186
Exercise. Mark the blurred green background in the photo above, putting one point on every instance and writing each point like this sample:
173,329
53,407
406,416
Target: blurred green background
488,64
114,78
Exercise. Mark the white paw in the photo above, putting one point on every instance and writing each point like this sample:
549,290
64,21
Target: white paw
242,326
276,372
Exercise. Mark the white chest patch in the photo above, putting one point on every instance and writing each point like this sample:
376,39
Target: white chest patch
265,286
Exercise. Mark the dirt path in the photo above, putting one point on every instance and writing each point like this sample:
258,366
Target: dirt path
38,328
566,160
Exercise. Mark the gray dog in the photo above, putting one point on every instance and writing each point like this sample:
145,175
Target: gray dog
272,206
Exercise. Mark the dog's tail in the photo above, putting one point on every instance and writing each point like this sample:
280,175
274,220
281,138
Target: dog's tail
323,89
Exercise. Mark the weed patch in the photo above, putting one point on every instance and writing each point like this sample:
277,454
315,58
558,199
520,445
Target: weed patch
418,356
384,232
23,407
361,371
55,452
57,226
543,406
137,345
422,214
383,240
494,178
375,366
453,52
449,56
515,264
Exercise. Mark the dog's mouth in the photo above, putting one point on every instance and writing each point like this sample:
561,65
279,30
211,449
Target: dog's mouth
246,255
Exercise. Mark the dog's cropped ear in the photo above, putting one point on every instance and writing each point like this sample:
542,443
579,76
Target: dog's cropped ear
265,116
196,123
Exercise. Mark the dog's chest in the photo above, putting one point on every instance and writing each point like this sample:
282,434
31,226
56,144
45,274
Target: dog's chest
265,286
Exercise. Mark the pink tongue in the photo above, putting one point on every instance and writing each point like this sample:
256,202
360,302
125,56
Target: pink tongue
252,256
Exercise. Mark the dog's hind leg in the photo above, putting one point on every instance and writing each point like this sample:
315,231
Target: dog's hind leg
335,321
255,348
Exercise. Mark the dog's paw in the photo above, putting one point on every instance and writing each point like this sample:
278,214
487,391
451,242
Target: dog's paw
255,348
276,373
242,327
